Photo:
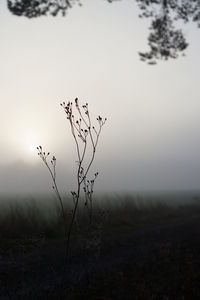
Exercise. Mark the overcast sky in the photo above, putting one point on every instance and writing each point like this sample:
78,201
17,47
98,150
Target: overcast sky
152,137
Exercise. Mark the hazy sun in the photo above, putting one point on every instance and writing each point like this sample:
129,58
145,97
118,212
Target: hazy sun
32,148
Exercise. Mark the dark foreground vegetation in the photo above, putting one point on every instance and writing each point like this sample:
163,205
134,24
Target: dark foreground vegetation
135,249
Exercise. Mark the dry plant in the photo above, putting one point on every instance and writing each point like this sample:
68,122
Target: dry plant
86,138
84,133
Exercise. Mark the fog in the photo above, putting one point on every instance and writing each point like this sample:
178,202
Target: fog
151,140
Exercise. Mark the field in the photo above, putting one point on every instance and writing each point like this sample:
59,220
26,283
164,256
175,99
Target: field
136,249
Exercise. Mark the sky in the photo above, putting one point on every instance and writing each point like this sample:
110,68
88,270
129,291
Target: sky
151,140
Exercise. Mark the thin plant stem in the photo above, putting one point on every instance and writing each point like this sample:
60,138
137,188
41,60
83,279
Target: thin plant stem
81,130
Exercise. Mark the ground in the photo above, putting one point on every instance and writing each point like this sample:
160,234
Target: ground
138,258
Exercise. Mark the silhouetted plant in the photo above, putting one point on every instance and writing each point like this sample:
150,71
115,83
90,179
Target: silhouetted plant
83,131
86,137
52,170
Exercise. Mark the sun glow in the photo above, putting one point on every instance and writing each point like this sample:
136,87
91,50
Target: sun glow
28,144
33,148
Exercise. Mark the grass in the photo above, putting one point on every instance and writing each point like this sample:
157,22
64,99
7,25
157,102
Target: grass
40,217
143,245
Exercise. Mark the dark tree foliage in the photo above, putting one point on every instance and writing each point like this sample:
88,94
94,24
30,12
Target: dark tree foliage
165,40
38,8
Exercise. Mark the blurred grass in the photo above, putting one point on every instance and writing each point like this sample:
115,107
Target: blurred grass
31,243
40,217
